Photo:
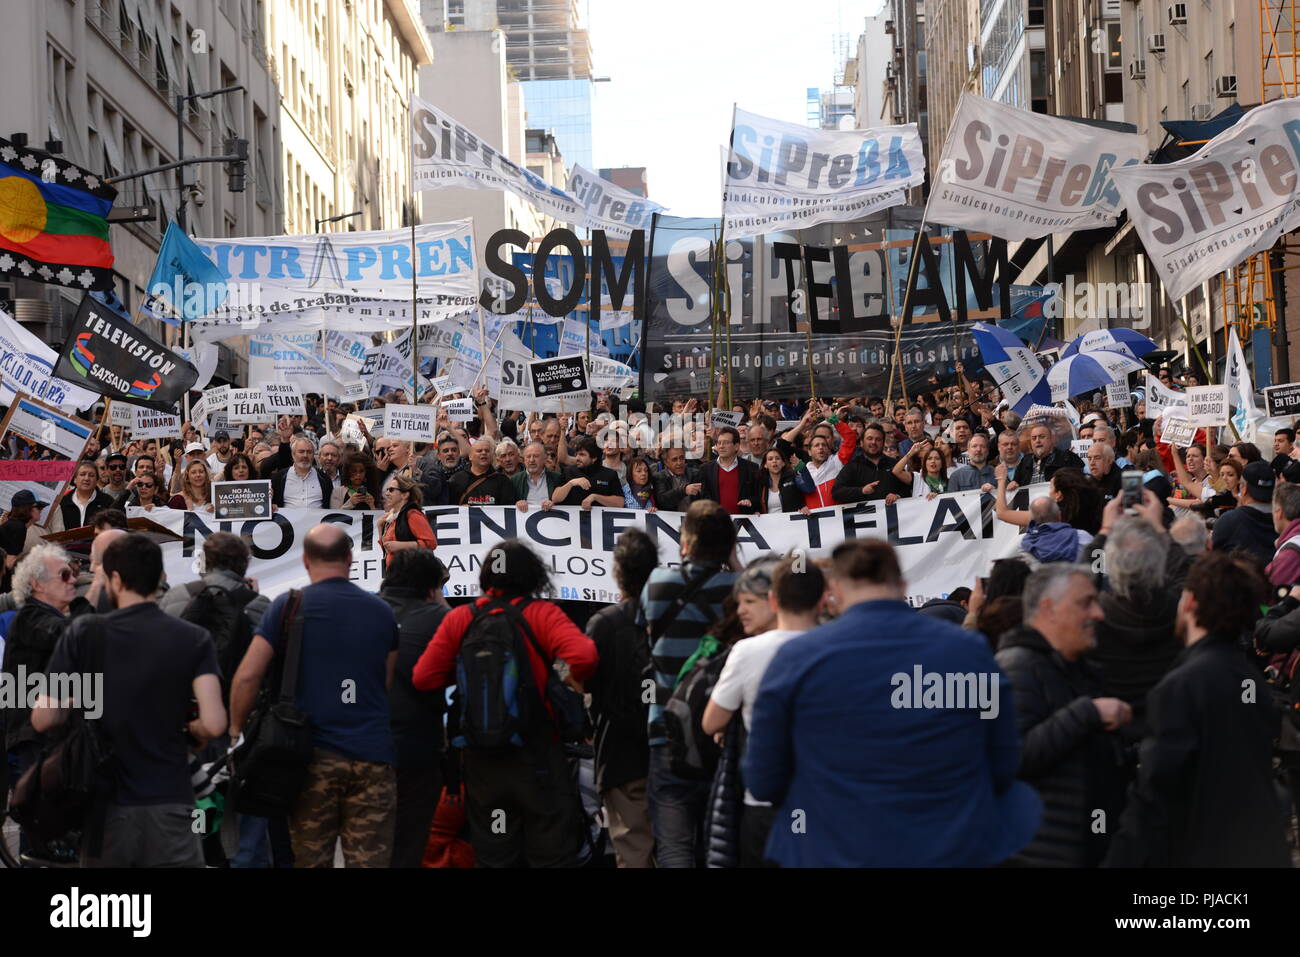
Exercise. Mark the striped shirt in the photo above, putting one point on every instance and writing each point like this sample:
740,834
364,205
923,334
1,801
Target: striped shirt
679,641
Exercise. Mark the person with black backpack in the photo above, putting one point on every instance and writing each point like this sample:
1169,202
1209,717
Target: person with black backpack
521,800
678,605
229,606
620,704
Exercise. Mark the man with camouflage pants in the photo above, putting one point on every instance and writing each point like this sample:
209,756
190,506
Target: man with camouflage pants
349,650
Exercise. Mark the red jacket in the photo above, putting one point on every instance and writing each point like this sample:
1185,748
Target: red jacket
557,635
1284,569
824,478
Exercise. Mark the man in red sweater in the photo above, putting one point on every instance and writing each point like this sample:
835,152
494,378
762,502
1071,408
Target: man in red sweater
521,802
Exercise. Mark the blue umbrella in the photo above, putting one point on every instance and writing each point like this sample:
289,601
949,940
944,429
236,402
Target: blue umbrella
1087,371
1013,366
1125,341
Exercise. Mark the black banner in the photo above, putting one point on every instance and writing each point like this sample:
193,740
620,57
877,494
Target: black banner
1283,400
859,272
105,353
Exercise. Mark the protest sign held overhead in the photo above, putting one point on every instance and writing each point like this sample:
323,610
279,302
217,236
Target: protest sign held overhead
283,398
107,354
1021,175
247,407
783,175
460,410
41,447
416,423
27,366
1177,431
155,425
1283,400
563,377
242,501
1235,196
293,358
1208,405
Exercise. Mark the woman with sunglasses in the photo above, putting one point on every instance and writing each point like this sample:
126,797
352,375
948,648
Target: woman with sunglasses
404,524
146,495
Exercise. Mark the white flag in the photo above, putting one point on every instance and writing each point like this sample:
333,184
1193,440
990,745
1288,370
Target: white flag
449,154
786,176
1236,376
1231,199
610,207
1023,175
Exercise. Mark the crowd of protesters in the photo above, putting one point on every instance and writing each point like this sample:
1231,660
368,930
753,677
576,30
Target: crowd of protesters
1104,720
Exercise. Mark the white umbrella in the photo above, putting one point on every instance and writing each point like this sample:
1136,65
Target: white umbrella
1086,371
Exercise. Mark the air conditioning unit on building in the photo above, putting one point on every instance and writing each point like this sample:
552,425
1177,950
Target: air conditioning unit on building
1177,14
889,26
1202,111
1156,43
1137,69
1226,86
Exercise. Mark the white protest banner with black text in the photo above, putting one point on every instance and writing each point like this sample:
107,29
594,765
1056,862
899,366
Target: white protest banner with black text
783,175
942,543
1024,175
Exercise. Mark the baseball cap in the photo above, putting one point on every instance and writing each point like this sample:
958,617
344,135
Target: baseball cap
195,447
1291,472
219,435
1259,481
26,497
115,457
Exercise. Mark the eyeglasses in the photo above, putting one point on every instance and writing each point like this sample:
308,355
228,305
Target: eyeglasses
67,575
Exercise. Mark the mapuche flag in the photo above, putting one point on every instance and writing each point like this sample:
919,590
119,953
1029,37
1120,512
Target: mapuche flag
53,220
105,353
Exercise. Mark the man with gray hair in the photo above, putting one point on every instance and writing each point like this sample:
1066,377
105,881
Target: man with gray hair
1062,716
1103,433
481,483
302,485
1102,469
1190,534
1144,570
44,587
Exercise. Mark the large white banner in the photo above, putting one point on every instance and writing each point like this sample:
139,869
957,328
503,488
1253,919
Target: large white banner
356,281
27,366
610,207
1234,197
449,154
942,543
785,176
1021,175
293,358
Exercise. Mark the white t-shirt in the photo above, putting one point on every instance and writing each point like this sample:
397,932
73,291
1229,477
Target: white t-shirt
737,686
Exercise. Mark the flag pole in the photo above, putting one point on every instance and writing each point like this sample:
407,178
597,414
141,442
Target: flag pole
415,309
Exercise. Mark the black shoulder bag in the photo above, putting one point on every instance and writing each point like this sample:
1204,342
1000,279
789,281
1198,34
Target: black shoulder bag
568,706
271,767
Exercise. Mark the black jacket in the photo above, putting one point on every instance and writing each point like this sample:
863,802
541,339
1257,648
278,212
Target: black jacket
750,486
1109,484
1056,459
277,487
1205,794
98,503
33,633
414,716
1064,752
619,716
1248,529
859,471
1278,632
494,489
669,494
791,498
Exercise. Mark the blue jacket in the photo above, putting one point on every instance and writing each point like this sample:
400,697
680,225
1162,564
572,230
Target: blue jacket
875,784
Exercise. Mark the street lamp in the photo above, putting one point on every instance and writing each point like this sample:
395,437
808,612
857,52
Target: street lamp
334,219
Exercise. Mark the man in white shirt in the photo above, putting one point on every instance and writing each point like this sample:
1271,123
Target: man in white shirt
303,485
221,451
534,483
798,587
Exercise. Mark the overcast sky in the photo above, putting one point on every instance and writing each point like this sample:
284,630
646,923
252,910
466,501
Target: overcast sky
677,66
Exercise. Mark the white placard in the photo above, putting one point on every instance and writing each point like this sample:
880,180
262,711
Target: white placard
1118,396
247,407
417,423
1080,447
355,391
460,410
155,425
216,398
123,414
283,398
722,417
1207,405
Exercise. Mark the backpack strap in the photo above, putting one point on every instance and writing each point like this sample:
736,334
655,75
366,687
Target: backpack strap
291,627
685,597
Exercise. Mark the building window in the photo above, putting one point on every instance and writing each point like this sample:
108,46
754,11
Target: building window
1114,46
